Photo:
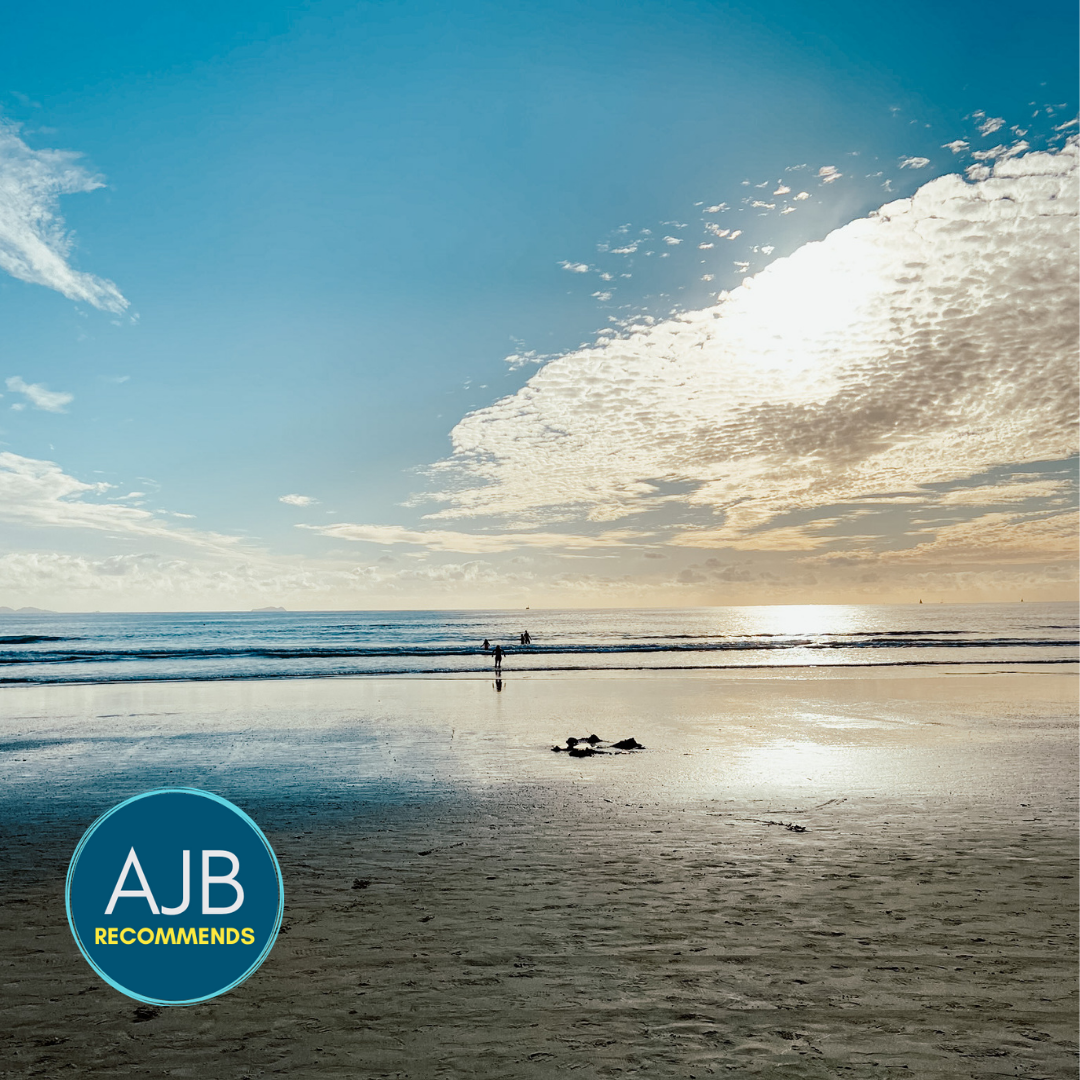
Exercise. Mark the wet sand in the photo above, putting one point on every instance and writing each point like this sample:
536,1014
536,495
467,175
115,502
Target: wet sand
525,914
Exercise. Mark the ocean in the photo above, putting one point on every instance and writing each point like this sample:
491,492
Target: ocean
44,648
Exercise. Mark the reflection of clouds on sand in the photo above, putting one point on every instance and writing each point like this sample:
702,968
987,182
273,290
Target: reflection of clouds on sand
346,743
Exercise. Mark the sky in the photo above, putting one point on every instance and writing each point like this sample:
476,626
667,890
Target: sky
472,305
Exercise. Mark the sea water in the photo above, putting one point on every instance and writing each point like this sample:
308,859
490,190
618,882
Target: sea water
43,648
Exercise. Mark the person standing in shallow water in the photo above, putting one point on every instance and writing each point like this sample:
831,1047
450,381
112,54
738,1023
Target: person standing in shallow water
498,657
486,646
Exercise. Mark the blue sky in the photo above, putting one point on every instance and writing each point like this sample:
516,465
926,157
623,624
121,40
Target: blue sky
331,224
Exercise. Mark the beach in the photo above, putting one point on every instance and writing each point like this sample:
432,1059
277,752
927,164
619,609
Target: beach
461,901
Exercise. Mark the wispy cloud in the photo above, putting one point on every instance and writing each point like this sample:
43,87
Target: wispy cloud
297,500
39,395
471,543
914,162
40,494
34,245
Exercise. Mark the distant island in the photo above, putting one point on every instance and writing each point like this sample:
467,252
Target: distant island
26,611
268,609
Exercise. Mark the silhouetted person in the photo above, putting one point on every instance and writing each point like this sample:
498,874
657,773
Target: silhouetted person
528,638
498,657
486,646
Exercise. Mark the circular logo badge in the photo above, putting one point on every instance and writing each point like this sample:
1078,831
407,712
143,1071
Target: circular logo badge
174,896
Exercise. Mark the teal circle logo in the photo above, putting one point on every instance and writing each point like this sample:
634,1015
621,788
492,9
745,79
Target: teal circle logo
174,896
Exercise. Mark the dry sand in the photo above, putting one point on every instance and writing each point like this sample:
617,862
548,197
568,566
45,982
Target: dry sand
526,915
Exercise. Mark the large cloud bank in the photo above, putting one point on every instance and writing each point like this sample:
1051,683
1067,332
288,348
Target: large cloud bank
923,344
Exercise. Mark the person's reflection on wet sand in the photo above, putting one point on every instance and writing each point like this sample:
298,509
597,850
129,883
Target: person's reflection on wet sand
498,686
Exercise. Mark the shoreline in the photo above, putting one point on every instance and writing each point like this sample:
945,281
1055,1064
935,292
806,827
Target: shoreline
674,671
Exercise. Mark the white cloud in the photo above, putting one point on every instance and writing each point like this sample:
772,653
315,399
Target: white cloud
914,162
989,539
1020,489
470,543
920,345
957,146
783,189
672,240
40,396
802,195
308,500
990,125
40,494
828,173
717,209
575,268
34,245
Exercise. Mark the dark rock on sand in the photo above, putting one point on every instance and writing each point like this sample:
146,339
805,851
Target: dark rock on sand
628,744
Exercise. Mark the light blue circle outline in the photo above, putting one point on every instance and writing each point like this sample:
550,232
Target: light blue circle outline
171,791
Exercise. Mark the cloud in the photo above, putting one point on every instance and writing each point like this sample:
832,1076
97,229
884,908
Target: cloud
988,539
40,494
802,195
304,500
921,345
1020,489
957,146
575,268
828,173
40,396
470,543
34,245
998,152
990,125
914,162
672,240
